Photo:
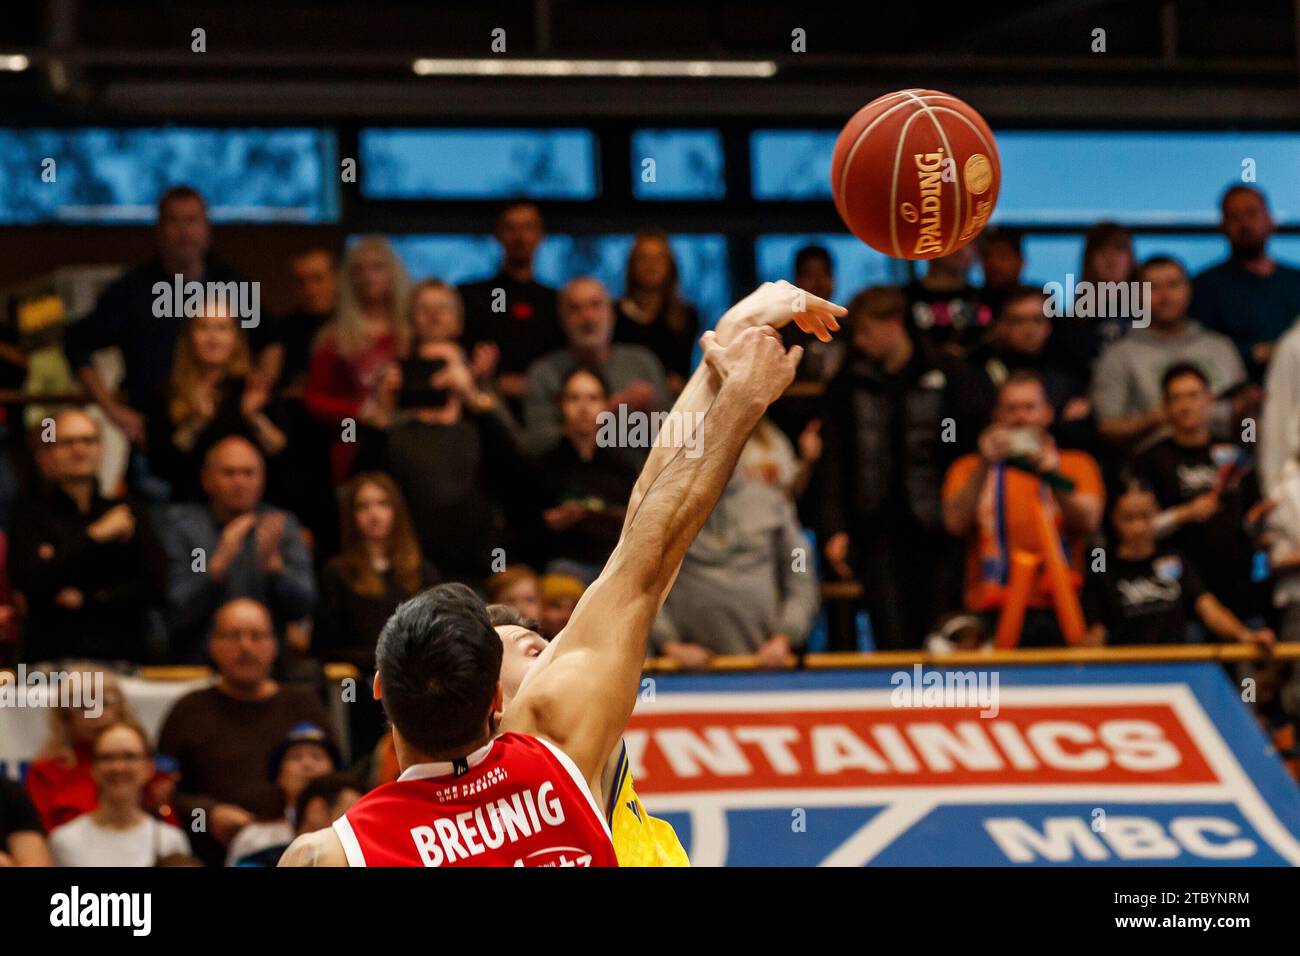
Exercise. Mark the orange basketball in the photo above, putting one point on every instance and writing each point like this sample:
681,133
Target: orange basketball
915,174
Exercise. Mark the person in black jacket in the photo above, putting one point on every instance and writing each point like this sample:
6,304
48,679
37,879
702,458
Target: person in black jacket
89,566
899,411
377,569
583,485
452,450
126,315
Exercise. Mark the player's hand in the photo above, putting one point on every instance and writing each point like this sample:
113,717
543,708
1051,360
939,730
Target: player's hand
755,365
777,304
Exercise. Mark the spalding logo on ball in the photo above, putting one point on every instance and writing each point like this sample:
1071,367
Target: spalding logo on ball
915,174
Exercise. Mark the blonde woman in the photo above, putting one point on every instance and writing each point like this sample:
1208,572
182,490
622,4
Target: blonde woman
369,330
211,395
60,781
652,312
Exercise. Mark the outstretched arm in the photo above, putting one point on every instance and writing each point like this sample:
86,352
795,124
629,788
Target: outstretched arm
581,692
774,305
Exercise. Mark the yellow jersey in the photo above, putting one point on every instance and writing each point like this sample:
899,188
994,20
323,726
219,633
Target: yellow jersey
639,839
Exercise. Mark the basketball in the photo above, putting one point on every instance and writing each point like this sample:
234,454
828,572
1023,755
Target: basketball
915,174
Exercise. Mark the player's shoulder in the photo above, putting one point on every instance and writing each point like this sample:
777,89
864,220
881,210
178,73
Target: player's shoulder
318,848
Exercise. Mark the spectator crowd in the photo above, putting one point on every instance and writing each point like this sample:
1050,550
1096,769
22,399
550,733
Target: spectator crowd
289,484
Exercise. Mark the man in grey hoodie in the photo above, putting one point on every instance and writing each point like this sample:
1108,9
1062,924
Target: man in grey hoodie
746,585
1126,381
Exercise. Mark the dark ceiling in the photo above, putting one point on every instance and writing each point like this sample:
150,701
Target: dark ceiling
1179,62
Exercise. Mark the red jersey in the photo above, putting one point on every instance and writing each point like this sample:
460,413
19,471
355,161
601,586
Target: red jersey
518,801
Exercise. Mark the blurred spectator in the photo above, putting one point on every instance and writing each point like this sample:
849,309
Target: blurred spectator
583,486
125,314
118,832
379,568
452,452
1017,341
560,594
512,310
1108,260
991,500
1250,297
305,754
1147,592
1279,433
369,331
895,417
438,315
631,371
652,312
944,307
233,546
223,736
1283,535
11,615
89,566
1126,383
797,412
323,800
282,348
517,586
59,780
1002,260
1205,489
211,395
742,588
814,272
282,345
22,838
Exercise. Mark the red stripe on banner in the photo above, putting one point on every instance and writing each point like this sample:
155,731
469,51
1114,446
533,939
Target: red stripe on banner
728,750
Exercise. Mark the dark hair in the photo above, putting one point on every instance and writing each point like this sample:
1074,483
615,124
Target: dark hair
1023,376
581,369
1004,236
1241,188
1156,262
327,788
1019,292
514,203
879,302
808,253
181,192
1099,237
1178,370
439,661
1129,483
503,615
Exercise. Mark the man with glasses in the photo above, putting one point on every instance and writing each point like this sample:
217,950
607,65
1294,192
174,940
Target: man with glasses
223,737
89,566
